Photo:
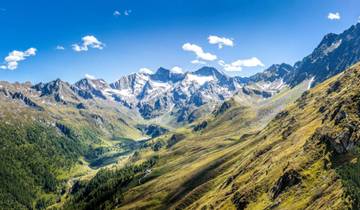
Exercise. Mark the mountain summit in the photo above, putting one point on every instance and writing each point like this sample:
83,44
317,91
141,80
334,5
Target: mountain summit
335,53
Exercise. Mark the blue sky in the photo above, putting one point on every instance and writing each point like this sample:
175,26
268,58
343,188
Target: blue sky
153,33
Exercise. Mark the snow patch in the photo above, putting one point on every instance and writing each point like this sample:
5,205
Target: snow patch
160,85
124,92
145,71
271,86
311,82
199,79
177,70
333,47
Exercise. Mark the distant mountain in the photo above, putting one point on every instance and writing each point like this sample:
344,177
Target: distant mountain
176,97
273,73
177,94
165,91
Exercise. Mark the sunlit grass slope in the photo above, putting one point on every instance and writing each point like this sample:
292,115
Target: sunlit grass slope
192,165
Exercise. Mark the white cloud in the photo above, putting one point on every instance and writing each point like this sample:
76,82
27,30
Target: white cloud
116,13
220,41
177,70
60,47
199,52
14,57
127,12
239,64
198,62
146,71
89,76
334,16
88,41
359,19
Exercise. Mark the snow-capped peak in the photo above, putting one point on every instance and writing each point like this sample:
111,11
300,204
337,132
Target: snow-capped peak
145,71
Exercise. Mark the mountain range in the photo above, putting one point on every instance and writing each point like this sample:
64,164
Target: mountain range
188,140
176,97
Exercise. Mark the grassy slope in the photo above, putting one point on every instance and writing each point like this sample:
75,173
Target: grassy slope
292,141
235,163
193,167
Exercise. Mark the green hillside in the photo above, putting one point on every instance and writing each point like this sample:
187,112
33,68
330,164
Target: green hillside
44,148
305,158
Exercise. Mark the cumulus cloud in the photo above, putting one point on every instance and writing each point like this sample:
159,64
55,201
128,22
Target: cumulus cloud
239,64
198,62
220,41
199,52
334,16
116,13
12,60
60,47
89,76
177,70
146,71
127,12
88,41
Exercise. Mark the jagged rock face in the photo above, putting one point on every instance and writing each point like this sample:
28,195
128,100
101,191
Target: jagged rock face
273,73
288,179
81,106
165,75
241,201
26,100
132,83
59,90
341,120
19,92
200,126
174,139
88,89
172,92
223,108
49,88
334,54
152,130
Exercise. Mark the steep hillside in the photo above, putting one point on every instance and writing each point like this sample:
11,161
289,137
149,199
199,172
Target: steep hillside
185,152
305,158
45,142
33,158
